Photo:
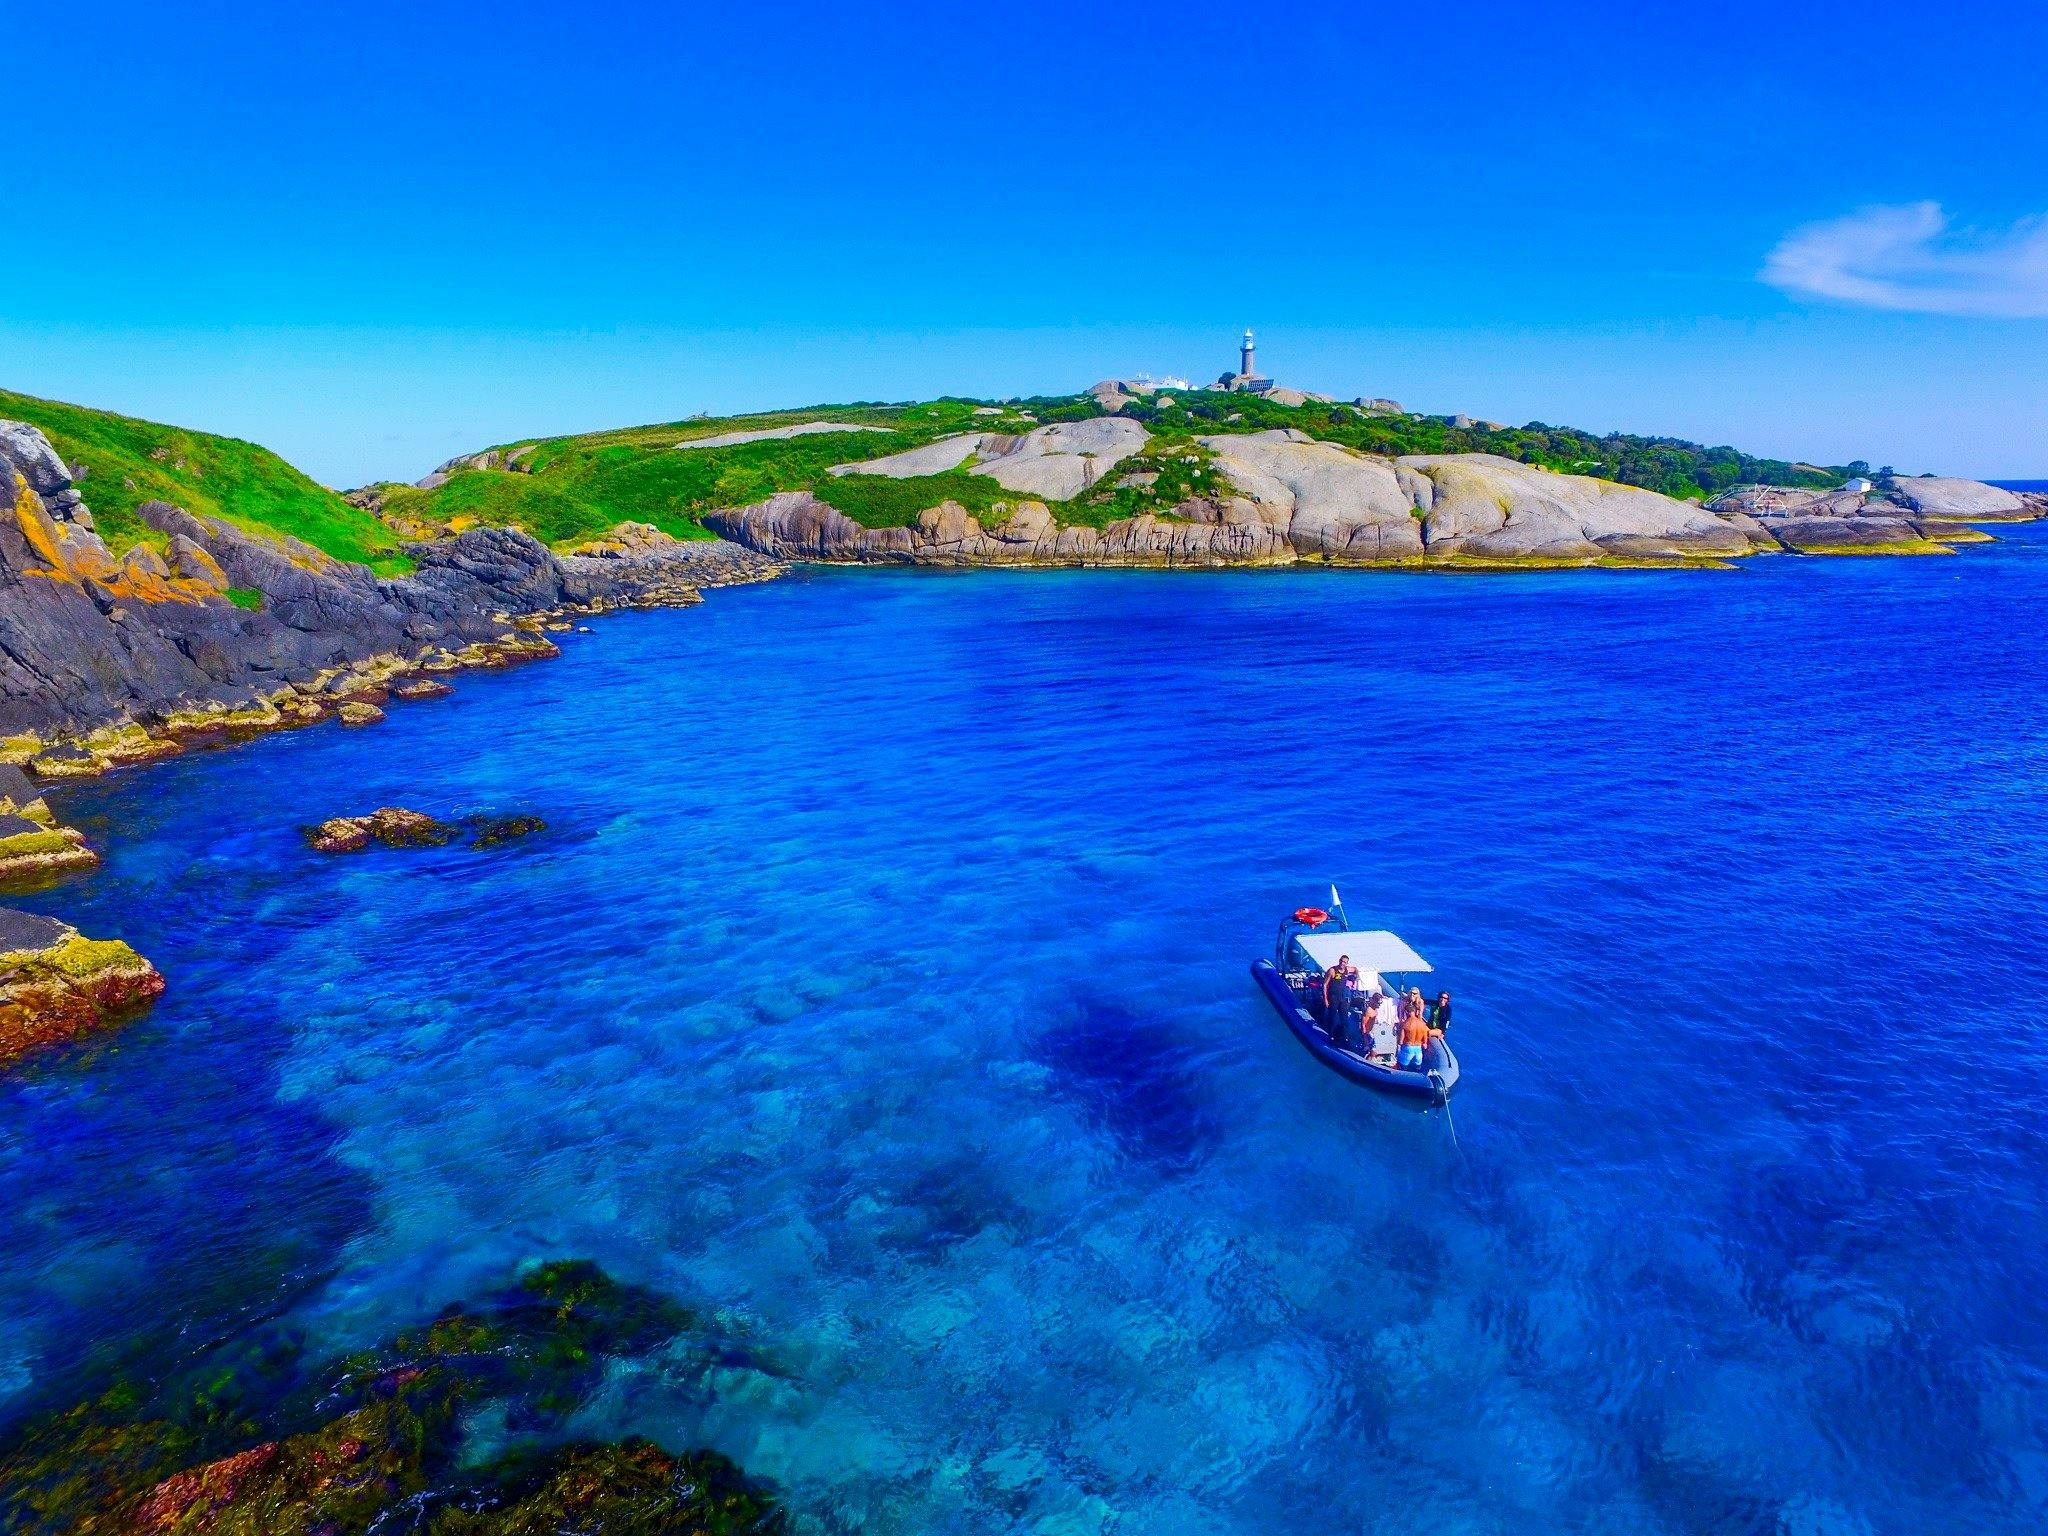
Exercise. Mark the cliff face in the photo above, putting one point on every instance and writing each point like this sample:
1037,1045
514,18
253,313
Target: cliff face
222,621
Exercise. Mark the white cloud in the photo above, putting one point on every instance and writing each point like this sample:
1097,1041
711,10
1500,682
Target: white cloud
1906,257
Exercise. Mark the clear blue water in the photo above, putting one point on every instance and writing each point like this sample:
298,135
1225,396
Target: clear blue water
881,981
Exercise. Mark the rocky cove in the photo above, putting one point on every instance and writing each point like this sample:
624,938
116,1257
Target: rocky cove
208,631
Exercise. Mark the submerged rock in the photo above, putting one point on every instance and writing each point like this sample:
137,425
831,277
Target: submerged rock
57,985
373,1442
391,825
633,1488
396,827
491,831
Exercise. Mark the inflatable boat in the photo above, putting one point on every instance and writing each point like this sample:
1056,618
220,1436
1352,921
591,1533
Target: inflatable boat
1293,983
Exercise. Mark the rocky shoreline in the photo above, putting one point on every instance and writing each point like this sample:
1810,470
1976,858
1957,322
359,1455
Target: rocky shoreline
108,662
1291,499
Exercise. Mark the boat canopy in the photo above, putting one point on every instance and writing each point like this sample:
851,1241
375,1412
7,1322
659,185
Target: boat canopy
1372,949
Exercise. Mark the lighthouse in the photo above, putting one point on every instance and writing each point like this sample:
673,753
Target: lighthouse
1247,376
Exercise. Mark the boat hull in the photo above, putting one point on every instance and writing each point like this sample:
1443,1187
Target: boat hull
1432,1086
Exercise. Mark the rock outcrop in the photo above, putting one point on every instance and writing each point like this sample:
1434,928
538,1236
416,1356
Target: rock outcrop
772,434
1327,500
934,458
33,854
1292,497
1493,508
1964,500
57,985
796,525
35,848
1060,461
1052,463
1863,522
224,630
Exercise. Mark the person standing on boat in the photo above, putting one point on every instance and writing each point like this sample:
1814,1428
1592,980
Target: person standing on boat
1338,983
1415,1031
1440,1013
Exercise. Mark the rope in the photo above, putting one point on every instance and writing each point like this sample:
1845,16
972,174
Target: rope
1454,1129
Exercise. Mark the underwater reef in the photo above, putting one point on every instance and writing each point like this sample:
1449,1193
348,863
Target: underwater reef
246,1440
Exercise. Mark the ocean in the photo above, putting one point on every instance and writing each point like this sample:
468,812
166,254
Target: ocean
880,987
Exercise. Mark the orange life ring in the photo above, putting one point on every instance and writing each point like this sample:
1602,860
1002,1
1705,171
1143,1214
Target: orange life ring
1315,917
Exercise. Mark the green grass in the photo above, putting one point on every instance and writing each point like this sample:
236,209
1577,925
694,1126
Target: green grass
1184,471
876,501
128,462
245,597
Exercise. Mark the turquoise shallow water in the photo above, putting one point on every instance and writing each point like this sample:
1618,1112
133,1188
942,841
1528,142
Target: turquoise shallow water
881,984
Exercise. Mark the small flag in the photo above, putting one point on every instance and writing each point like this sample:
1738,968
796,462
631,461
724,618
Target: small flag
1337,904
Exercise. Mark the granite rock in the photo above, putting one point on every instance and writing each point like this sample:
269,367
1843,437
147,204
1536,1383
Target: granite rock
1962,500
1291,498
1488,507
773,434
1060,461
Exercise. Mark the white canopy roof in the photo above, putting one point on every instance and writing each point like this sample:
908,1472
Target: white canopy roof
1372,949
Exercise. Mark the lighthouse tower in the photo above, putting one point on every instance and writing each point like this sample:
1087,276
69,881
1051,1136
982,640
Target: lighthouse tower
1245,370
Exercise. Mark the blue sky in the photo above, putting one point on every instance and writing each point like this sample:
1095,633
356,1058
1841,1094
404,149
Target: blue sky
377,235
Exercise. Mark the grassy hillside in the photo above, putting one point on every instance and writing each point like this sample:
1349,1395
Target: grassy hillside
568,488
128,462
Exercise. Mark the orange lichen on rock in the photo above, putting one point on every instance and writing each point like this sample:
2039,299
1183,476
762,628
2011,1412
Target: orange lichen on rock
76,556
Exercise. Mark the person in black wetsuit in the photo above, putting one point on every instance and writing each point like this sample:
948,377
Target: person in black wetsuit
1339,985
1440,1013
